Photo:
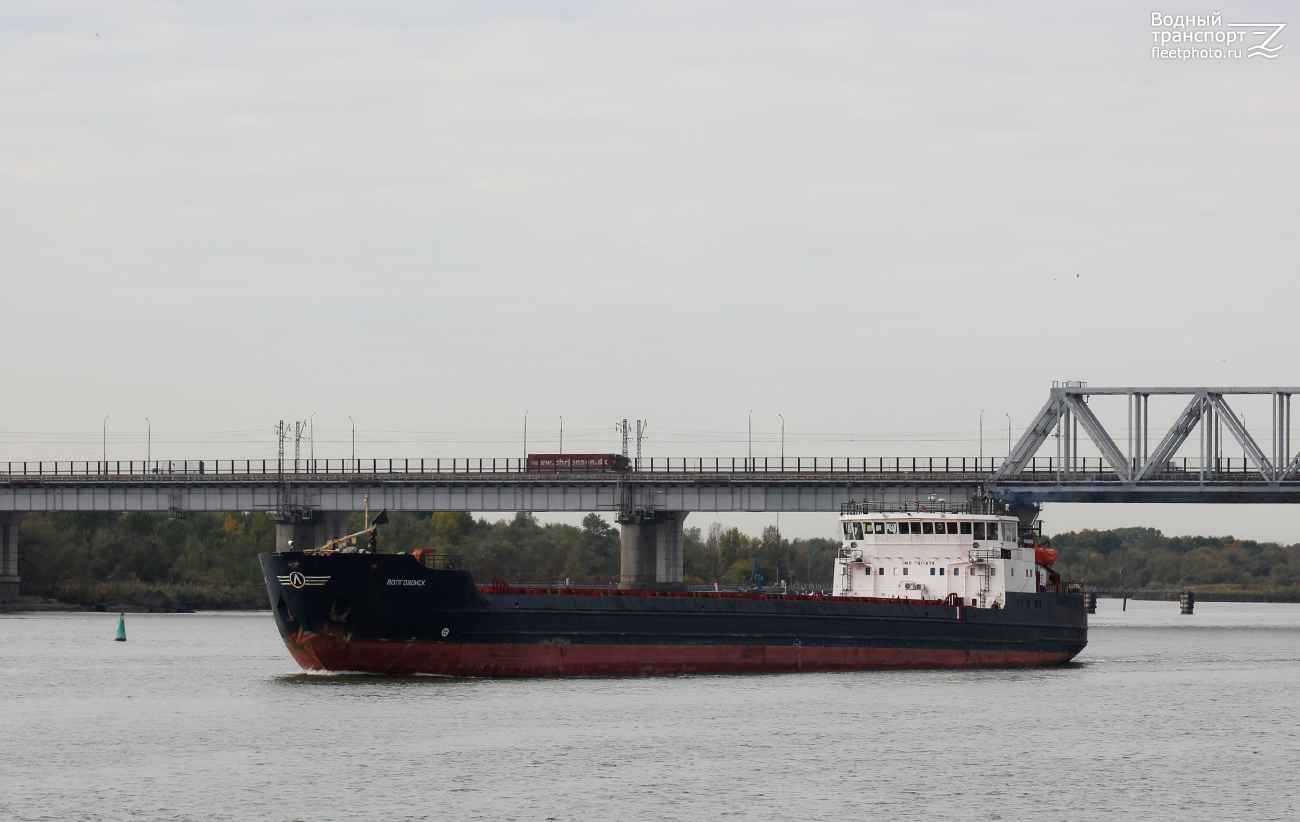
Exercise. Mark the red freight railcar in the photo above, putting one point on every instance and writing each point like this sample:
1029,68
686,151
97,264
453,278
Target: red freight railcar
577,462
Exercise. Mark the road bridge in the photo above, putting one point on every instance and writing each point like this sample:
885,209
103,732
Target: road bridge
312,499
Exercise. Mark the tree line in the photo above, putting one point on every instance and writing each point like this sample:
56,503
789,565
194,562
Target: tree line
210,560
1144,557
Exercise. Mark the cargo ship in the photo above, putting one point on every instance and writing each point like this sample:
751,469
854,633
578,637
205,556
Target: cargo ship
912,588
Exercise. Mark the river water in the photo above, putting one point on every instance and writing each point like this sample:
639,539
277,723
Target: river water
206,717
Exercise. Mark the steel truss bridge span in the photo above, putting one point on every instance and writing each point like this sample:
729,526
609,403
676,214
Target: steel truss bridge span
1142,473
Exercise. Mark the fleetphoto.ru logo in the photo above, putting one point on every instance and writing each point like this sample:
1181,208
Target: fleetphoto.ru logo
1193,37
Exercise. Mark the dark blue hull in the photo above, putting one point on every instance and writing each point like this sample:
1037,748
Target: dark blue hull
389,614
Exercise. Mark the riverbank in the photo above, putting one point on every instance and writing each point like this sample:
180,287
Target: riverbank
26,603
143,598
1228,592
149,602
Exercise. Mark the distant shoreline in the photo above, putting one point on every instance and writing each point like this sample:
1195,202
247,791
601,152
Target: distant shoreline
1222,593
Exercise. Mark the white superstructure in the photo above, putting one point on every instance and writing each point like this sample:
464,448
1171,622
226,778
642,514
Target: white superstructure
979,558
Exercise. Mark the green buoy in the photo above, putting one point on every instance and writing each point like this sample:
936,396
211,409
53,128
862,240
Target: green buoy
121,628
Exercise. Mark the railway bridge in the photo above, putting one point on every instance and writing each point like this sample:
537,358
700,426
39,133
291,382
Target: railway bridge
311,500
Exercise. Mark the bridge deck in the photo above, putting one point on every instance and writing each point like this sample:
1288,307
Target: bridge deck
678,485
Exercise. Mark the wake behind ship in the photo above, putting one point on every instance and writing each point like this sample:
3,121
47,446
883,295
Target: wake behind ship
913,589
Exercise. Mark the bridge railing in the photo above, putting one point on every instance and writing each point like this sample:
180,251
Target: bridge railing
1088,469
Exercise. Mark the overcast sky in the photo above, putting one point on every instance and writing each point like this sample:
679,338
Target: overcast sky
874,219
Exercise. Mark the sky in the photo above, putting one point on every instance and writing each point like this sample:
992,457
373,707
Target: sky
874,224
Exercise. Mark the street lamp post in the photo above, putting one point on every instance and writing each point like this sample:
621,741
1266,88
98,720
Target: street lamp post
354,442
561,433
981,462
1008,416
148,448
751,440
782,416
105,454
311,435
525,436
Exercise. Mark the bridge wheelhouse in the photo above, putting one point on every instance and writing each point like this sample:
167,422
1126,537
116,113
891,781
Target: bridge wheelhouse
963,553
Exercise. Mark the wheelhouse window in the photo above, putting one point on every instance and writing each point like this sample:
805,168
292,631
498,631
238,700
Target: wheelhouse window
927,528
891,527
978,529
848,530
879,527
916,528
952,527
857,530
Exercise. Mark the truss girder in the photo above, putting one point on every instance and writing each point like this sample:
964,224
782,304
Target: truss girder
1208,408
1290,470
1033,438
1174,439
1099,437
1243,437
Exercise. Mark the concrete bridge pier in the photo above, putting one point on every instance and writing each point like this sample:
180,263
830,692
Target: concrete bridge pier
298,528
652,550
9,522
1026,512
309,530
330,525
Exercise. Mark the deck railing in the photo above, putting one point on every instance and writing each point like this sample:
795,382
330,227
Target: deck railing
1087,468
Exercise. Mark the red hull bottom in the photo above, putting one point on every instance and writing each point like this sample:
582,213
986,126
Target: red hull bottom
320,653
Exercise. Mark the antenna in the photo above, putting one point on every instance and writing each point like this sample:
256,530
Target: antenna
281,491
298,429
